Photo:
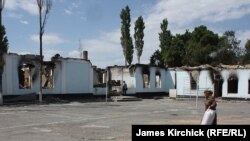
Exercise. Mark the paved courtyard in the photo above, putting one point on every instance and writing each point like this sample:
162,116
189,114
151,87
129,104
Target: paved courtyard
93,121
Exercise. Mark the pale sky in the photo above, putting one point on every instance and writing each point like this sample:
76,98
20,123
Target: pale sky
94,25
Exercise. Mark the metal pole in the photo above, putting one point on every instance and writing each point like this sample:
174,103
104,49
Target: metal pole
122,82
1,98
196,101
40,97
107,86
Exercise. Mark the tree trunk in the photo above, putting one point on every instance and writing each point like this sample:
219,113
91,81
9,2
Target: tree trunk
1,16
1,90
41,54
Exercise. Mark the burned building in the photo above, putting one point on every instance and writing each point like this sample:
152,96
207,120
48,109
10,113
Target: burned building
59,76
69,76
236,81
142,79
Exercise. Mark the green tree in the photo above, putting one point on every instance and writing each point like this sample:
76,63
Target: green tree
247,45
165,38
3,50
138,36
176,52
247,54
185,53
2,2
233,42
233,45
4,45
202,43
229,51
224,54
126,39
201,46
156,59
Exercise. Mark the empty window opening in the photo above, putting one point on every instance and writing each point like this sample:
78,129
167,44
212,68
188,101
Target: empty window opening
146,78
248,86
157,80
48,75
100,78
232,84
193,79
25,77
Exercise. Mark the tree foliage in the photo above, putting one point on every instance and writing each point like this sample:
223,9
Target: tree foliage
175,53
165,38
156,59
247,46
3,46
201,46
138,36
247,54
126,39
2,3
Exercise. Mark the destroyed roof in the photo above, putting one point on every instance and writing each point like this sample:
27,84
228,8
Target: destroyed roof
136,65
219,67
201,67
234,66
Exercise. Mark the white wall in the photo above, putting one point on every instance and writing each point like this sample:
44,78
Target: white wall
72,76
243,77
170,80
152,88
183,83
10,80
205,81
134,79
99,91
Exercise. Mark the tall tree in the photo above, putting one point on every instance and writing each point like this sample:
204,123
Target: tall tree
2,2
184,38
247,46
165,38
126,40
175,53
234,44
138,36
44,7
247,54
232,41
3,48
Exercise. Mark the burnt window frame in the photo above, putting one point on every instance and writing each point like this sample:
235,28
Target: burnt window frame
22,79
49,67
158,84
193,83
248,86
232,82
146,73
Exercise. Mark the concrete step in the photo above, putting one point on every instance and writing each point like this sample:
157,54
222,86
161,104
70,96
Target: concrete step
124,98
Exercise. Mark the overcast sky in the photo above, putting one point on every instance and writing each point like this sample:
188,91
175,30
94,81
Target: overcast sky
94,25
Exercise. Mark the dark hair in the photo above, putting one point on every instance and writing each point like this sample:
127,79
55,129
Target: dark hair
208,92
